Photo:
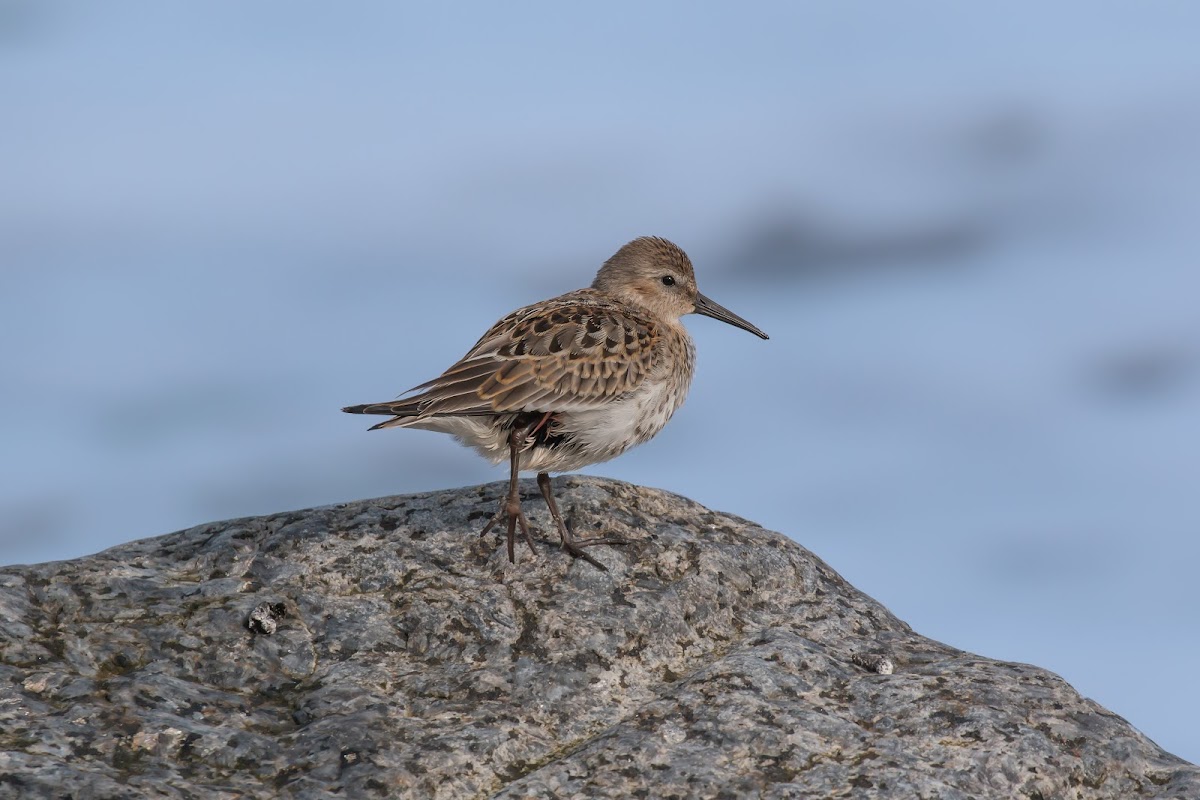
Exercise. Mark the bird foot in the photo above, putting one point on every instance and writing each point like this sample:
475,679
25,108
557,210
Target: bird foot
575,546
510,510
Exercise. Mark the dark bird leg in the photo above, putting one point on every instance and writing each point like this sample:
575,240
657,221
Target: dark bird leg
510,506
570,543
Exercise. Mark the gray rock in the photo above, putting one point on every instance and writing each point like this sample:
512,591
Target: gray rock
409,659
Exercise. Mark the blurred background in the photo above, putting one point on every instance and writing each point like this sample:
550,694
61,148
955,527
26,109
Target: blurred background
970,231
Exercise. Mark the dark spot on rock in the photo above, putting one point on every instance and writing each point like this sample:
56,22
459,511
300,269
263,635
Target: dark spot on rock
618,598
187,750
119,664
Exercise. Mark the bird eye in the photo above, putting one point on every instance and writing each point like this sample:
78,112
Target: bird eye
668,280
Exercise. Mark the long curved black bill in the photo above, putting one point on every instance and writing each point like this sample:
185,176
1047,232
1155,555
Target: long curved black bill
717,311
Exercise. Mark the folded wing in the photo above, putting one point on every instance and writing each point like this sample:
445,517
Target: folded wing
573,354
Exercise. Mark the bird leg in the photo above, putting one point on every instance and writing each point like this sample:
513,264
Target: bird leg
510,506
570,543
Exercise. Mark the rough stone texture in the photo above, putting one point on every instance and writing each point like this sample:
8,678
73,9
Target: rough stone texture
409,659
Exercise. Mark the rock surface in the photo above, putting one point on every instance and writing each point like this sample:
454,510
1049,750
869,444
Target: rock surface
409,659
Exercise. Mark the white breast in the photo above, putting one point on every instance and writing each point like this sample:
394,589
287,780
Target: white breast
629,422
607,432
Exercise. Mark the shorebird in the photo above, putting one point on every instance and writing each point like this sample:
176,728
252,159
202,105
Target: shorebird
571,381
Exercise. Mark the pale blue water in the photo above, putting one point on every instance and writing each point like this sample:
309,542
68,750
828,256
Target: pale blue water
971,235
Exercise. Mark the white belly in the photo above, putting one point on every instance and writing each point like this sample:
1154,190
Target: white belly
604,433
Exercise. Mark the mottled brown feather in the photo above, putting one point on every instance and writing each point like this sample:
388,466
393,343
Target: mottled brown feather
574,352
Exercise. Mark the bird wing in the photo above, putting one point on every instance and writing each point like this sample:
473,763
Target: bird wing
572,354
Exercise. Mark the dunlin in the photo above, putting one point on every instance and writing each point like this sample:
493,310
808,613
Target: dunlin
573,380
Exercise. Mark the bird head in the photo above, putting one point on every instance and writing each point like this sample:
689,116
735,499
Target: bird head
656,274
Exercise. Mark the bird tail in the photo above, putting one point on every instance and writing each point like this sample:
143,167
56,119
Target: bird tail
401,411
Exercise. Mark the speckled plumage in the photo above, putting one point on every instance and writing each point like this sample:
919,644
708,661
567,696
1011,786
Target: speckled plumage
573,380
